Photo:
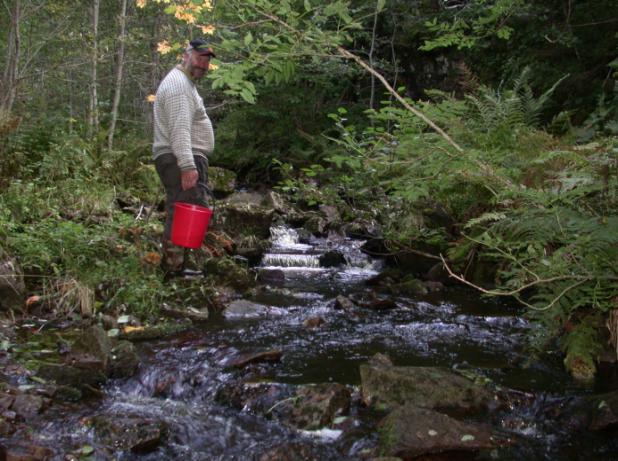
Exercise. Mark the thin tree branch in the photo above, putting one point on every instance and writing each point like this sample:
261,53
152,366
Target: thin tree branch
514,293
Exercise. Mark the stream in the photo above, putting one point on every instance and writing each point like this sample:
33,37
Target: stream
179,377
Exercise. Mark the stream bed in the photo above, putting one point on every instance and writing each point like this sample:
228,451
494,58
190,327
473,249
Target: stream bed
293,311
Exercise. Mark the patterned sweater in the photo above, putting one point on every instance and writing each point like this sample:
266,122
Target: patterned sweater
181,125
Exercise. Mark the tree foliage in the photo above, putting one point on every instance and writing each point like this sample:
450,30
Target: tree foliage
520,153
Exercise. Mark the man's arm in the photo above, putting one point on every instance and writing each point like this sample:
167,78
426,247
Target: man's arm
179,116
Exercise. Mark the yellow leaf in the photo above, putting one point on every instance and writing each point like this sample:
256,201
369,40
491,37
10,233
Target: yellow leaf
208,30
212,67
151,98
164,47
129,329
140,3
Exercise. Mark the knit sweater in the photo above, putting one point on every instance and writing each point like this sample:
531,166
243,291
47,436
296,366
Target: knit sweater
181,125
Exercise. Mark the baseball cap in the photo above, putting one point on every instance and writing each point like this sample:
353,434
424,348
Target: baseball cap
200,45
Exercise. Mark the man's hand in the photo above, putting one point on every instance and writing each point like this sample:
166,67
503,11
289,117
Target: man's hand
188,179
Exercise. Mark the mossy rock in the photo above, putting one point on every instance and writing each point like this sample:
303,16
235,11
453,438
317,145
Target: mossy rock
387,387
160,330
409,432
221,181
230,272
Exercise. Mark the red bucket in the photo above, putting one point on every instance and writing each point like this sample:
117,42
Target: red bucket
190,224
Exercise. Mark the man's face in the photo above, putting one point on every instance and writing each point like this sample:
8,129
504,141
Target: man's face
198,64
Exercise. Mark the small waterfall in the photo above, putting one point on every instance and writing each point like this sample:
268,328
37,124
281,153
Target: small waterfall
291,260
288,254
285,240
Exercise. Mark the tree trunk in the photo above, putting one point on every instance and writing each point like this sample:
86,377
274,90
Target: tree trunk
120,64
11,71
373,41
93,117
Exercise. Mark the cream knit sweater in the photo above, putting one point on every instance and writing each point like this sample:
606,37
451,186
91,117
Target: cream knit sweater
181,125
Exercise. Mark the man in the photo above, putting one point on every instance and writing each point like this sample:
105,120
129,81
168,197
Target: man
183,138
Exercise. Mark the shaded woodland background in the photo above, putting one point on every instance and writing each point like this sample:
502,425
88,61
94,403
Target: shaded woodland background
525,209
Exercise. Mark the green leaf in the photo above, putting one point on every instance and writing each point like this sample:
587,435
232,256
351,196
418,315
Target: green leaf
246,95
248,39
86,450
380,5
307,5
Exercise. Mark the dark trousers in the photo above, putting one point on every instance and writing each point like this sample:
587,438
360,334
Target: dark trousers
170,177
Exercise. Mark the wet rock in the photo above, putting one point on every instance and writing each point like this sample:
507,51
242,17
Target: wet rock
596,412
241,308
332,258
28,406
221,181
292,452
273,355
129,433
160,330
188,312
314,407
12,286
280,205
331,214
411,286
67,394
230,272
408,432
6,428
387,387
396,282
341,302
253,397
251,250
306,407
315,225
275,276
73,376
374,301
124,360
605,413
314,322
23,451
93,342
6,400
362,229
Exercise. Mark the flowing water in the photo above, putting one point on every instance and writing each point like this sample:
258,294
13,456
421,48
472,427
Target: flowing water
179,377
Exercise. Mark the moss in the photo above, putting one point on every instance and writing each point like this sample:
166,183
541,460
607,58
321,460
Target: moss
582,346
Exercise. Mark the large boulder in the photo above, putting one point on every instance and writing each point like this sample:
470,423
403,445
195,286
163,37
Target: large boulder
129,432
306,407
245,213
409,432
12,286
387,387
124,360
